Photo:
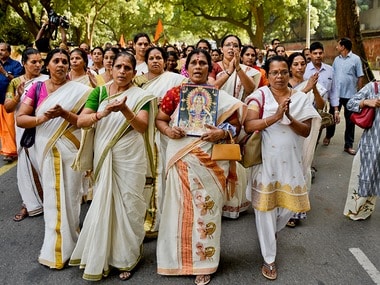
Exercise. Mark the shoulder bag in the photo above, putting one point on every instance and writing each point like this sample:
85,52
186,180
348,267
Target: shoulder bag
365,118
250,145
327,119
29,135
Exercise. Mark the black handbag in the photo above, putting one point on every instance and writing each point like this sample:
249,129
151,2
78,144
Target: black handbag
29,135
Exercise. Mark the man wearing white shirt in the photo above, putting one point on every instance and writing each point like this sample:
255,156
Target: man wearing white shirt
325,78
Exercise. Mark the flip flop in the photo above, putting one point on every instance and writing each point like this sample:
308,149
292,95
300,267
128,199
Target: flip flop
21,215
202,279
291,223
269,271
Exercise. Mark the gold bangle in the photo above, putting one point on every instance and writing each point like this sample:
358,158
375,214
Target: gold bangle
134,117
15,100
237,71
265,121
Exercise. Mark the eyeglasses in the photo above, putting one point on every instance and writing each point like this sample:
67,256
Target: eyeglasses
232,45
276,73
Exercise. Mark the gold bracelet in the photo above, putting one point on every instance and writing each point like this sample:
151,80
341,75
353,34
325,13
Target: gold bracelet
237,71
134,117
265,121
15,100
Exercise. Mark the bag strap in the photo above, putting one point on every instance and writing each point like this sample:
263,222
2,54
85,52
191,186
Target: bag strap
261,106
37,94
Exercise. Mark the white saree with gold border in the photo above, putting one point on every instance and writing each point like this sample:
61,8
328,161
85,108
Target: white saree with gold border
56,145
196,188
113,230
28,178
154,191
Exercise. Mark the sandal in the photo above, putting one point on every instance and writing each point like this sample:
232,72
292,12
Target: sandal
21,215
269,271
202,279
291,223
125,275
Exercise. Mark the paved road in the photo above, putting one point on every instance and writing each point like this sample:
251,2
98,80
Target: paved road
317,252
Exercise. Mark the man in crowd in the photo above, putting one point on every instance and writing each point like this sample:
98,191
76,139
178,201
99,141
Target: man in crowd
325,78
347,80
9,69
275,43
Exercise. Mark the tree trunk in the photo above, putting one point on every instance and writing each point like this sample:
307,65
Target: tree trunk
348,25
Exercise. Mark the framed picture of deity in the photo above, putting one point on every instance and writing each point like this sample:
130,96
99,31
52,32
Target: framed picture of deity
198,107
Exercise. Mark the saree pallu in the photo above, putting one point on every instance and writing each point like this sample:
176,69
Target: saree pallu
155,186
113,230
28,177
196,189
56,146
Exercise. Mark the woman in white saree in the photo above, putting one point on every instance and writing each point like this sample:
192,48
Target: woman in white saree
238,80
79,70
56,144
113,230
196,186
158,82
28,180
317,93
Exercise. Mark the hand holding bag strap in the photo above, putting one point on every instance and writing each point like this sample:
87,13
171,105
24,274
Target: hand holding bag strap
365,118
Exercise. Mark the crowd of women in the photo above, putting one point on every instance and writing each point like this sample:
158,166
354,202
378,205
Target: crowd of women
147,177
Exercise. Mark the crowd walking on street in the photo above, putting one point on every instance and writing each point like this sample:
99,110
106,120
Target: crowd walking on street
132,132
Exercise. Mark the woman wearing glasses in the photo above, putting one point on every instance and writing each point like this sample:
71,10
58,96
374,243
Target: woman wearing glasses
236,79
277,186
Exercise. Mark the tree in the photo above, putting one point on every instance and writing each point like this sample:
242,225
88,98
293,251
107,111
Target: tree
348,25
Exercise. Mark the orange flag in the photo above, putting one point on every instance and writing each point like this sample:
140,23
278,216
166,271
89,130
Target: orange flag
159,30
122,41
